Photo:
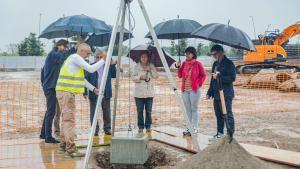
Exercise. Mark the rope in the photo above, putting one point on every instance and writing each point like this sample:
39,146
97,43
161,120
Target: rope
129,64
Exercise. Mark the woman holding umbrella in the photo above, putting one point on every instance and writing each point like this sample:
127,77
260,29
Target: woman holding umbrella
143,75
193,76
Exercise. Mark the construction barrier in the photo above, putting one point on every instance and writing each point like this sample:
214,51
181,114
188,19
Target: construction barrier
22,103
22,108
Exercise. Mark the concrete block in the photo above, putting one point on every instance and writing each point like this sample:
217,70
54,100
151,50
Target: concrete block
129,150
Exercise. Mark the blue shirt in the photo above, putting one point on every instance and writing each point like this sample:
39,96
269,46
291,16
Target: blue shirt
93,79
228,76
51,69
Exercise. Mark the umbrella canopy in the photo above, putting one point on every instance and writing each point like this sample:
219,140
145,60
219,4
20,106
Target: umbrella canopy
175,29
154,56
103,39
225,34
76,25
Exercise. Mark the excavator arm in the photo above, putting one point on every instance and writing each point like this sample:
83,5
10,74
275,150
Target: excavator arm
267,54
287,34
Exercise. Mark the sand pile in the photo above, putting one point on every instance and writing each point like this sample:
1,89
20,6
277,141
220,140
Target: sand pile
292,85
296,75
267,80
242,81
224,155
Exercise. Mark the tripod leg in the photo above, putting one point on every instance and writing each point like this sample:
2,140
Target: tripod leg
103,82
120,50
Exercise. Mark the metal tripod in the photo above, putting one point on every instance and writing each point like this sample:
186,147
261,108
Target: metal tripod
120,22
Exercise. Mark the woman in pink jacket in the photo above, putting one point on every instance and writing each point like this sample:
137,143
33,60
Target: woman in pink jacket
193,76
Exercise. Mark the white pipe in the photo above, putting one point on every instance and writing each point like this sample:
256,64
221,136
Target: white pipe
103,82
120,51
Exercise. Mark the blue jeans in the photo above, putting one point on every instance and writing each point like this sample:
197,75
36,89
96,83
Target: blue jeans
142,103
220,117
191,101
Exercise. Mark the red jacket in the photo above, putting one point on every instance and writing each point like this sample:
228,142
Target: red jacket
198,74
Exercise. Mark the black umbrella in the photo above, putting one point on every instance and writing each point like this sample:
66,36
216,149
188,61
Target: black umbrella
154,56
103,39
225,34
175,29
76,25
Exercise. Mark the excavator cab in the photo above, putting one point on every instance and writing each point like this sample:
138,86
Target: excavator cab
266,54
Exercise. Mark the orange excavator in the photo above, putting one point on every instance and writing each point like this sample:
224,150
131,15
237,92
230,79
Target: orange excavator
270,51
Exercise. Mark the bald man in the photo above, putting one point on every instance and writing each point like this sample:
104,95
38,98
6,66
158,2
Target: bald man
71,82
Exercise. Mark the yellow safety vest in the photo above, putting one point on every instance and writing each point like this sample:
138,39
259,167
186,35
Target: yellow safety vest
70,82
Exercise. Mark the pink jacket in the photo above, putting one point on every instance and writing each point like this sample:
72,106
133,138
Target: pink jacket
198,74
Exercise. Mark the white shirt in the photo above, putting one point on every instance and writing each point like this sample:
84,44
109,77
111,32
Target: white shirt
76,62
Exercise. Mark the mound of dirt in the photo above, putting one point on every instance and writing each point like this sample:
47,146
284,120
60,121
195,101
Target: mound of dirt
296,75
292,85
157,159
269,80
242,81
224,155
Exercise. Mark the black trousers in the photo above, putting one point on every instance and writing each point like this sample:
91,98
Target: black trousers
105,104
220,117
51,101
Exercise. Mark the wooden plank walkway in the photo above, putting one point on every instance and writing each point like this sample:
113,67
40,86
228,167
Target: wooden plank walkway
173,136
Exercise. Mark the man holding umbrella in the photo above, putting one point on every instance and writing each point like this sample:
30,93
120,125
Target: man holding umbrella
49,76
225,69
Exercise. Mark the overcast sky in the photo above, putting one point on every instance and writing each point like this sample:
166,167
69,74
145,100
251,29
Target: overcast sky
19,17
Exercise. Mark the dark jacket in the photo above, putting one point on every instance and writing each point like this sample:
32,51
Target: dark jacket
93,79
53,63
228,75
42,76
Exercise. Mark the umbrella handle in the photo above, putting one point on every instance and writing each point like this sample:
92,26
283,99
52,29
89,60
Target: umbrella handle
179,51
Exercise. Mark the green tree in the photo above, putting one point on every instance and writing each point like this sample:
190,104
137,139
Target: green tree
232,52
200,49
173,50
31,46
23,48
182,46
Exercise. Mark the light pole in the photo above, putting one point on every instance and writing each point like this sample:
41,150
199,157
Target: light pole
40,20
253,27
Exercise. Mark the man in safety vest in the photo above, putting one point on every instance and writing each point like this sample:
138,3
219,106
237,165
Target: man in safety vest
71,82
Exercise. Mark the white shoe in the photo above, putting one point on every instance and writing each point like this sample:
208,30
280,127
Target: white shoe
57,137
217,136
